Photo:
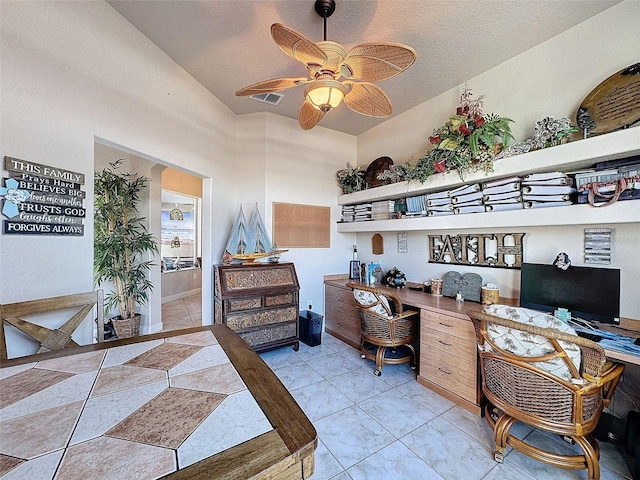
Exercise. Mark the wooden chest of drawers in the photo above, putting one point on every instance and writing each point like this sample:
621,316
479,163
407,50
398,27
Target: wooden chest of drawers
448,356
259,302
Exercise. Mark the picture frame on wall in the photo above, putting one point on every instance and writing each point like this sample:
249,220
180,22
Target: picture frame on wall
354,270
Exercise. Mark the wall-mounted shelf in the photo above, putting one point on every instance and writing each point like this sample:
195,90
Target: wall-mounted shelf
622,212
572,156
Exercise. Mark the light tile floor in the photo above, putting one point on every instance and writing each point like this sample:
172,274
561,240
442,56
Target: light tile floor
183,313
391,427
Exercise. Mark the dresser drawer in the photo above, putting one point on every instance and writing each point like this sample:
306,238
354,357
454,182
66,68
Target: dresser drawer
449,344
257,318
271,334
449,372
287,298
448,325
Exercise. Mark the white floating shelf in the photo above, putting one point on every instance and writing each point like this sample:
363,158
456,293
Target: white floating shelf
572,156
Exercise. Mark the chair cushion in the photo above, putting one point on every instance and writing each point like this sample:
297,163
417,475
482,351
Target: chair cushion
370,300
528,345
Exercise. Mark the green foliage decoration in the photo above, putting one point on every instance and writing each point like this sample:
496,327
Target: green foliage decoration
121,240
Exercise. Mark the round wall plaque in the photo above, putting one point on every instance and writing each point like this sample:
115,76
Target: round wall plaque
613,104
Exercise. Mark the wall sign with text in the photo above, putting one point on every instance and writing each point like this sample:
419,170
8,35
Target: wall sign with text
41,200
502,250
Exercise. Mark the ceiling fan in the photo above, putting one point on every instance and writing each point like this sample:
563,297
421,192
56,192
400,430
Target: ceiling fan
327,62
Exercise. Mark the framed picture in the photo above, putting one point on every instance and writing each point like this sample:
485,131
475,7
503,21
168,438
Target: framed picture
354,270
402,243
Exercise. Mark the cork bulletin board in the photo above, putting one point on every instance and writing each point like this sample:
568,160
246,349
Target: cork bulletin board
301,226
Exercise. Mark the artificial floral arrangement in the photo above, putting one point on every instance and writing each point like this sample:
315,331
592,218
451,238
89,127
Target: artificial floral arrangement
351,179
468,142
549,132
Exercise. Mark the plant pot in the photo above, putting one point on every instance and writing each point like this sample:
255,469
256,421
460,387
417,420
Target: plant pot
127,328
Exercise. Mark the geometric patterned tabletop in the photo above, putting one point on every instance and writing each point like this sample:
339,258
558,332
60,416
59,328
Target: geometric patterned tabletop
137,411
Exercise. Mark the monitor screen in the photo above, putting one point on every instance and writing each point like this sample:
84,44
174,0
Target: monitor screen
589,293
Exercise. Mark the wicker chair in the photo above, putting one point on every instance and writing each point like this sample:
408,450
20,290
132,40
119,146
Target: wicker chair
385,324
525,388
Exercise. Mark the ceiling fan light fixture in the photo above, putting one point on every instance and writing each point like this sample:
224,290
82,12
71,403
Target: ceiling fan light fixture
325,94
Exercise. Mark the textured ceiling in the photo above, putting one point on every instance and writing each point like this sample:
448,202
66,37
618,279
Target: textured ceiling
227,45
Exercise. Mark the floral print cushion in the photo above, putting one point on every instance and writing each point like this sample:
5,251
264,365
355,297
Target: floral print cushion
529,345
365,298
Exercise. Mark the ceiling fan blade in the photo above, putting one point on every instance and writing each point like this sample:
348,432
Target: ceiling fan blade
368,99
269,86
373,62
297,46
308,115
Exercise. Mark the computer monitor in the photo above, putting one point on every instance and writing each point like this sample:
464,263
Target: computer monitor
589,293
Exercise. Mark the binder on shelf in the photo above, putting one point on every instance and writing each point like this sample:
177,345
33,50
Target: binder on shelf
466,197
515,196
547,190
551,178
501,181
465,190
468,209
545,204
546,198
500,207
436,202
505,187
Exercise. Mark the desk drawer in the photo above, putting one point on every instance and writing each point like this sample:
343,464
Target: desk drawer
449,344
448,325
451,373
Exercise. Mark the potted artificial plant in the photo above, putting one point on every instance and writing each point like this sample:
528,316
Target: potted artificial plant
121,245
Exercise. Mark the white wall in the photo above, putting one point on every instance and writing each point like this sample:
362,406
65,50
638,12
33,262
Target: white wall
282,163
550,79
76,71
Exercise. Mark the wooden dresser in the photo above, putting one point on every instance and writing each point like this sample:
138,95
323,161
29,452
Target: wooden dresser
259,302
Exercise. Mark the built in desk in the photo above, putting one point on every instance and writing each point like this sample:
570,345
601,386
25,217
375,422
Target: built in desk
189,404
447,350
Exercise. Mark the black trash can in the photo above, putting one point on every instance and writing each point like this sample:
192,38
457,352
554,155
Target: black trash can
310,328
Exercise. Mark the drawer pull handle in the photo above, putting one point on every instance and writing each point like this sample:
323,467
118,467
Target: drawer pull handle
445,325
445,343
444,371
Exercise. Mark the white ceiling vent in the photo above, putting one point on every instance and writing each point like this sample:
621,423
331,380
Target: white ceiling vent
270,98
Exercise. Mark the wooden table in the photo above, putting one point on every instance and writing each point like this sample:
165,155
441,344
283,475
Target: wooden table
211,409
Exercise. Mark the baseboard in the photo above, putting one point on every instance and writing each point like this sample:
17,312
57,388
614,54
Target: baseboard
180,295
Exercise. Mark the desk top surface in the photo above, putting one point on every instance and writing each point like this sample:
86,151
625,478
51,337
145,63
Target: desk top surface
618,346
176,404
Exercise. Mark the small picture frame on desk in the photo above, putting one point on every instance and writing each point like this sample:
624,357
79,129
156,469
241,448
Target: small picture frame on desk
354,270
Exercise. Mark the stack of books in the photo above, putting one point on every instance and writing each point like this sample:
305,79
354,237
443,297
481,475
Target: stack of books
439,203
416,206
541,190
502,194
362,212
348,213
382,210
467,199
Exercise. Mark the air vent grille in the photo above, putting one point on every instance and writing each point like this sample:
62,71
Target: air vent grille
270,98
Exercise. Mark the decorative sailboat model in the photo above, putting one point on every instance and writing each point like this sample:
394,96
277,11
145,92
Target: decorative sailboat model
250,241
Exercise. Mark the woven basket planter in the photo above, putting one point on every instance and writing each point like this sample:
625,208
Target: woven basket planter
127,328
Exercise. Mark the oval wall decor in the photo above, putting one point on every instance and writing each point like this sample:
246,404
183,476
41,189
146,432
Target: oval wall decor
613,104
376,167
